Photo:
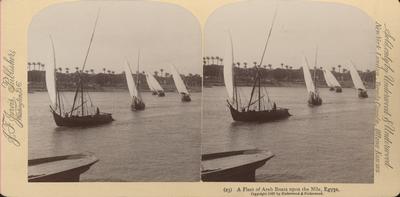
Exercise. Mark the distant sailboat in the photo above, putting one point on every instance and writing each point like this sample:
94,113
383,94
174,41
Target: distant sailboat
358,84
137,101
331,81
80,114
256,110
180,85
154,86
313,94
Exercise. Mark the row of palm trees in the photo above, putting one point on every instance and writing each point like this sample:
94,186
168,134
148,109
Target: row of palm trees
219,62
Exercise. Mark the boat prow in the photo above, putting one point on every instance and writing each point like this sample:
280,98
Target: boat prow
65,168
233,166
137,105
185,97
314,100
362,93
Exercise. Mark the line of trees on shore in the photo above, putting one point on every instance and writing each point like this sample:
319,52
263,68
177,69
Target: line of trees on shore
67,78
276,75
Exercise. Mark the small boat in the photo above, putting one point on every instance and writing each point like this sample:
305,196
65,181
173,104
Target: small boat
233,166
358,83
257,109
180,85
313,95
331,81
137,101
65,168
81,114
154,86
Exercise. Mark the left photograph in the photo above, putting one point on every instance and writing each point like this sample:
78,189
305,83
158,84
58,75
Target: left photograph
114,92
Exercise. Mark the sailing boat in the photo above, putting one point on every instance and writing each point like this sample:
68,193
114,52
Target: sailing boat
80,114
180,85
154,85
358,84
313,98
137,101
331,81
255,110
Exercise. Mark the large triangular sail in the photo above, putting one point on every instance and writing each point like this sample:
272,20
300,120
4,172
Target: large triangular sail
228,68
180,86
51,79
330,79
307,77
129,80
358,84
153,83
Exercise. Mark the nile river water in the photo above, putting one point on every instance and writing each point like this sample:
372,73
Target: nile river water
329,143
161,143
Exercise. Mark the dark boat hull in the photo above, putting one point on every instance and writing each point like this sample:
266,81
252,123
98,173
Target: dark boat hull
259,116
185,98
362,94
161,94
331,89
68,174
338,89
241,173
77,121
314,101
138,106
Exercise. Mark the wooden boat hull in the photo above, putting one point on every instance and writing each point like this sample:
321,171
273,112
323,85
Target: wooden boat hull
259,116
161,94
154,93
185,98
216,167
331,89
314,101
362,94
66,168
338,89
138,106
77,121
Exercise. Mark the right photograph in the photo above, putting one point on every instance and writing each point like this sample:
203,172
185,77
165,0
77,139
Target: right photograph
288,93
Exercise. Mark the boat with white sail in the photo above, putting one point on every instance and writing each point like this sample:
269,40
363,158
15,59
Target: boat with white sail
313,94
180,85
358,83
259,108
82,112
154,86
331,81
137,101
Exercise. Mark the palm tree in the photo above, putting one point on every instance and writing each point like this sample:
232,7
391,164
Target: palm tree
34,63
238,63
339,66
29,66
87,71
104,70
76,68
333,69
162,70
255,64
221,60
112,72
212,59
60,69
282,65
92,71
286,67
265,66
270,66
42,66
208,60
67,70
245,64
156,73
217,58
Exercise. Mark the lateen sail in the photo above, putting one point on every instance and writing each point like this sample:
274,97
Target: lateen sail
131,83
356,78
332,80
228,67
153,83
307,78
327,79
178,81
51,79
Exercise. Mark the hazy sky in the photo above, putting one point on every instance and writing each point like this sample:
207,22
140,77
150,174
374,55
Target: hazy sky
166,34
342,33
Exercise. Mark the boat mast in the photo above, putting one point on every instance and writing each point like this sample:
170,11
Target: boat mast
315,68
235,96
137,75
83,67
58,103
